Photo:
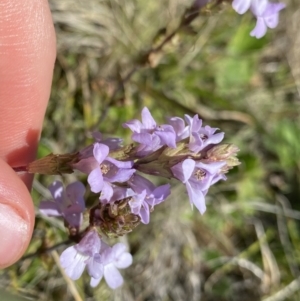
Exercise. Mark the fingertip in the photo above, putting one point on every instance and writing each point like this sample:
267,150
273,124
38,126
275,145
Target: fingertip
16,216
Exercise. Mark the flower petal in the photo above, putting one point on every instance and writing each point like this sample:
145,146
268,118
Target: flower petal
183,170
95,267
196,197
134,125
57,191
241,6
112,276
260,29
147,119
49,208
100,152
107,192
95,179
145,213
75,192
73,262
94,282
167,135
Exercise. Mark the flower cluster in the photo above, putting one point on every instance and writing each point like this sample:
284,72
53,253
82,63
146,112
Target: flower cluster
100,260
182,149
266,13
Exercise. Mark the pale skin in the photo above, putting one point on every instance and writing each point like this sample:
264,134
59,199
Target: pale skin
27,55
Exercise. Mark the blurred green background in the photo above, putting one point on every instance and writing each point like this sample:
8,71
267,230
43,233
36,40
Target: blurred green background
113,58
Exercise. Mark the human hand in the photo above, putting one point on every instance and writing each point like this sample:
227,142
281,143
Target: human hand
27,54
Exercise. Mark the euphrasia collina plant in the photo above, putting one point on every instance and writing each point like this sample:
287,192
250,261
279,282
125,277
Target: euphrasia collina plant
182,149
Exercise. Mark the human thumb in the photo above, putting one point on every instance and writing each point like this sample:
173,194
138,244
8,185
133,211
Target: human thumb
16,216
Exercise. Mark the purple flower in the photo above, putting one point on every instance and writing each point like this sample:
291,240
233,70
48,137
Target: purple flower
69,203
181,130
241,6
197,177
113,259
104,170
74,259
200,137
269,17
146,196
150,135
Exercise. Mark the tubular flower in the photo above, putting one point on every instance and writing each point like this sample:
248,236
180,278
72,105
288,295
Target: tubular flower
67,203
197,177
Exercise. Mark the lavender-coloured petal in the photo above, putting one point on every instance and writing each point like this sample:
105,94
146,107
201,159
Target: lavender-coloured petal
100,152
196,124
112,143
145,213
73,262
202,184
167,135
188,119
117,250
179,127
212,168
137,201
49,208
215,139
209,131
183,170
73,215
86,152
75,192
196,197
57,191
112,276
95,267
271,14
144,150
122,260
159,194
134,125
73,209
217,178
105,248
120,164
94,282
95,179
74,219
122,175
145,138
147,119
272,21
86,165
120,193
260,29
241,6
259,6
196,143
139,183
107,192
90,244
